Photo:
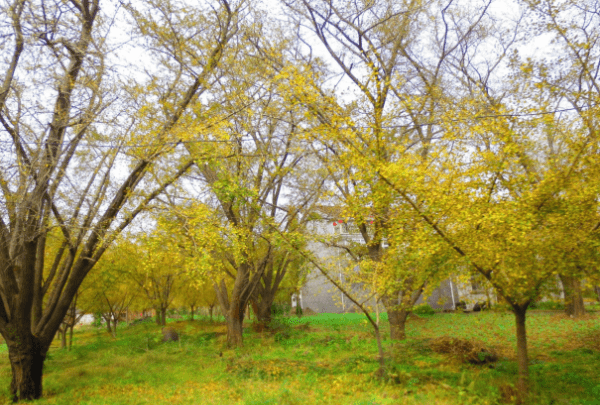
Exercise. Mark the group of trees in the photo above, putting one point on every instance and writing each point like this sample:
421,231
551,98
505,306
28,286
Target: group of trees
199,148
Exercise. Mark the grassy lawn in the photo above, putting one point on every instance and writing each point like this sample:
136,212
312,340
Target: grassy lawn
330,362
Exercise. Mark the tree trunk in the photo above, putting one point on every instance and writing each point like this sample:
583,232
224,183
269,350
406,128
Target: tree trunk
573,296
262,312
597,288
381,357
522,359
26,360
163,316
63,337
158,316
192,312
210,312
108,325
234,330
115,321
396,315
71,336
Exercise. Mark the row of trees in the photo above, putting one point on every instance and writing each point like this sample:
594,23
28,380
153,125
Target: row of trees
433,125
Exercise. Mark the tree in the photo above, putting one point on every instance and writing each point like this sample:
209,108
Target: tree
110,291
66,117
376,49
249,170
160,273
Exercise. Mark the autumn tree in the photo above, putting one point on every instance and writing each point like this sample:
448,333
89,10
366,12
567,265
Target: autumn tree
109,290
395,88
511,190
70,120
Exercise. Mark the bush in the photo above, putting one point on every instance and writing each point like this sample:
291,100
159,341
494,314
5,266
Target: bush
280,309
97,320
423,309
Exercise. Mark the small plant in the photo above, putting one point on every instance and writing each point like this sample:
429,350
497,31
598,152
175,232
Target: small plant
423,309
97,320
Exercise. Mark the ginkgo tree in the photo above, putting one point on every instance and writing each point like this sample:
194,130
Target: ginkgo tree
79,135
394,89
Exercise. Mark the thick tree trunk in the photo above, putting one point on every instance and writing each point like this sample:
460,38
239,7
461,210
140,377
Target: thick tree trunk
234,330
573,296
26,360
192,312
262,312
522,358
398,312
397,319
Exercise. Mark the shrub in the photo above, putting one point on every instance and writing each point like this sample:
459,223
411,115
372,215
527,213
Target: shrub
280,309
170,335
423,309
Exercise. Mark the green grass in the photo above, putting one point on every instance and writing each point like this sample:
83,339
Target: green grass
331,363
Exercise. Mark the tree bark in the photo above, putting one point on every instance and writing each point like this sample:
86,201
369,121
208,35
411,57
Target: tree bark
163,316
158,316
262,312
522,358
398,309
63,337
192,312
597,288
26,355
573,296
108,325
71,336
234,331
210,312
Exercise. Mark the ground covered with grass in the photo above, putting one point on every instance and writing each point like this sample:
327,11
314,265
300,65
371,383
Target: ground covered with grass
323,359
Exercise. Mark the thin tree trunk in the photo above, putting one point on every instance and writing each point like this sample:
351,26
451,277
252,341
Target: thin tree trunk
26,355
192,308
210,312
158,316
163,316
381,356
63,337
522,358
71,336
108,325
115,321
598,292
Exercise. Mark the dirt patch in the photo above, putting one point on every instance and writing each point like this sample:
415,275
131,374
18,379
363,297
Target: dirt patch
468,351
586,317
592,340
308,312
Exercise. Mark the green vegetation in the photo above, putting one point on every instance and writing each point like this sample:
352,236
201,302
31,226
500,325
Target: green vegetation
322,359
